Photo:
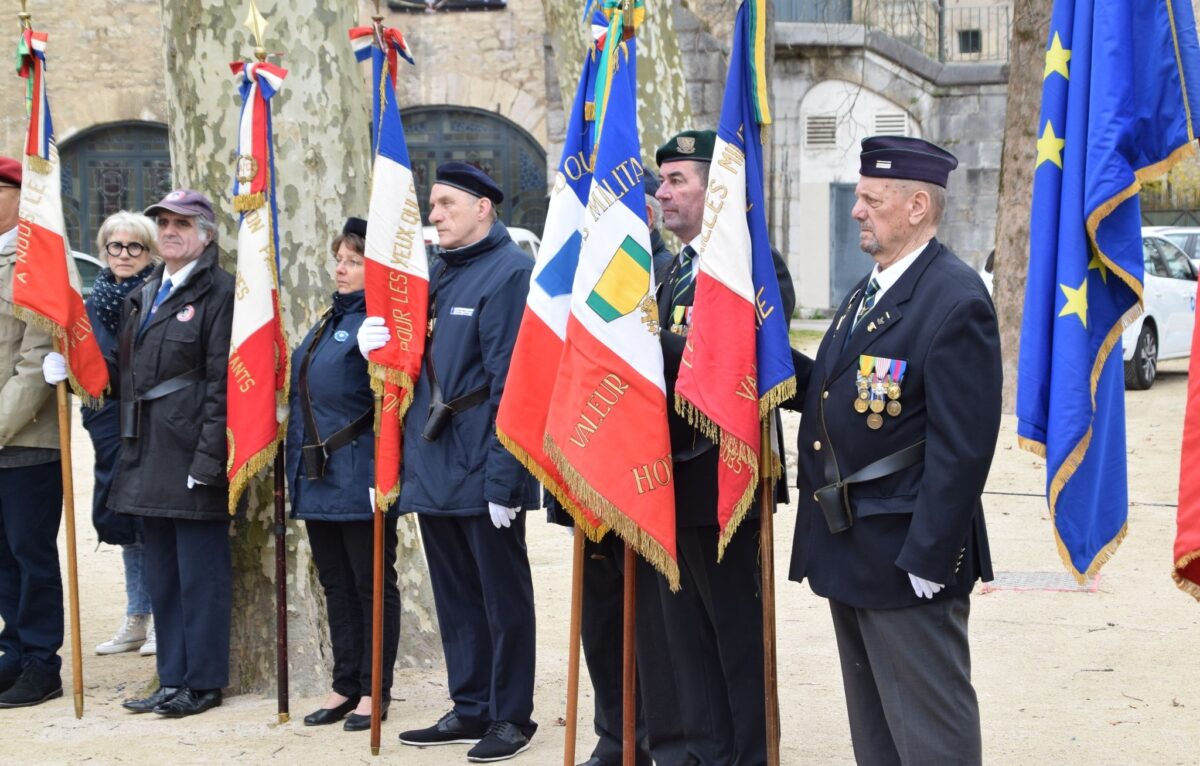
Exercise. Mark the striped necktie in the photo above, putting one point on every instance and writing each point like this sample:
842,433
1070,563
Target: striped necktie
683,288
868,302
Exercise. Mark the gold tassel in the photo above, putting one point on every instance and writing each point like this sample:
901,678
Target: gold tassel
243,203
39,165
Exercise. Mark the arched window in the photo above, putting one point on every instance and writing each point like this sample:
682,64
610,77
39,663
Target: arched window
118,166
497,146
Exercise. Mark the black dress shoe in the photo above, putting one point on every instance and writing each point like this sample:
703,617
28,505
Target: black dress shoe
356,722
189,702
328,715
9,675
33,687
147,705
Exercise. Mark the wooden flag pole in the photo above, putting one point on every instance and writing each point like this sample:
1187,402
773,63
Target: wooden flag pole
573,651
281,626
377,607
767,563
68,486
629,663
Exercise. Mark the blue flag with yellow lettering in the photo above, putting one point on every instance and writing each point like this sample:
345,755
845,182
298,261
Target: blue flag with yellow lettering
1119,97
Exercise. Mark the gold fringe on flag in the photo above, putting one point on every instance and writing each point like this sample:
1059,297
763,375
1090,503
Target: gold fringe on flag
629,531
1186,585
561,493
732,452
239,482
381,374
59,336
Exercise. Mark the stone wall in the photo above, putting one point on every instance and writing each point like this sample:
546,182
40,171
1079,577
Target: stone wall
490,60
105,65
959,106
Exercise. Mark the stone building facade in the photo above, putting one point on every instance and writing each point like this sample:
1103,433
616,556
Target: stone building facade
484,91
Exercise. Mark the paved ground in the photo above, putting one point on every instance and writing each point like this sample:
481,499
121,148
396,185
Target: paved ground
1106,675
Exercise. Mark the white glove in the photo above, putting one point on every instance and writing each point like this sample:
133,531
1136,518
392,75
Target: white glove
371,494
192,482
372,335
924,588
501,516
54,368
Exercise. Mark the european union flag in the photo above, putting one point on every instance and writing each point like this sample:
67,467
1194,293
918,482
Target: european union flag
1119,96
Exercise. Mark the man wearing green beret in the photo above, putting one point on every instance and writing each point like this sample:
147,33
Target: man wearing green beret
714,623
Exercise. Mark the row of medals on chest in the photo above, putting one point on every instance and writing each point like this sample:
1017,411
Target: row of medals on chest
878,383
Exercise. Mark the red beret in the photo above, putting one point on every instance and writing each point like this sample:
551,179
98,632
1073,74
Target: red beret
10,171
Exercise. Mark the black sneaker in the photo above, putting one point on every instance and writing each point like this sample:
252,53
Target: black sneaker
502,741
449,730
32,687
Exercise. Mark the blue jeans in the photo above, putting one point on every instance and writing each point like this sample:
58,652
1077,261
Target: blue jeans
137,600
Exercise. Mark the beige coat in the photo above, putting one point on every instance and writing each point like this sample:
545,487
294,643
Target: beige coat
27,404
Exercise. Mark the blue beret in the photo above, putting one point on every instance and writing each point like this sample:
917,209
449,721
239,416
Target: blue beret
355,226
470,179
906,158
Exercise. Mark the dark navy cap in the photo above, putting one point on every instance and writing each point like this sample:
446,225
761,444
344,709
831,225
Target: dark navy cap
906,158
689,145
470,179
650,181
355,226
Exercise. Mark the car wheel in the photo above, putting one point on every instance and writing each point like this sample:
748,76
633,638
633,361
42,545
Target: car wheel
1141,369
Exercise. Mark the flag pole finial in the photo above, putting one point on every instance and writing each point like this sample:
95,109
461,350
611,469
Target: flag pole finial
257,24
25,16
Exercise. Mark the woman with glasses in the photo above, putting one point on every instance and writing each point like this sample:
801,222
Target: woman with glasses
126,245
330,469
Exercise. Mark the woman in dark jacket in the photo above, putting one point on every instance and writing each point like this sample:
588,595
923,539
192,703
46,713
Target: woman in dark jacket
330,468
125,244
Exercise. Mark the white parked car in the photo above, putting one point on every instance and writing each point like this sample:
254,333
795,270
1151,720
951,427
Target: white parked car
524,238
1164,329
89,268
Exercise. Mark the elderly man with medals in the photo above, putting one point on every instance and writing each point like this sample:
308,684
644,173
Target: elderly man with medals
894,451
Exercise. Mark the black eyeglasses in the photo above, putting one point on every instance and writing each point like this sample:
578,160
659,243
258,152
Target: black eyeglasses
134,249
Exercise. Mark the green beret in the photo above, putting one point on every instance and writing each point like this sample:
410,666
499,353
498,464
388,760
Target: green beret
688,145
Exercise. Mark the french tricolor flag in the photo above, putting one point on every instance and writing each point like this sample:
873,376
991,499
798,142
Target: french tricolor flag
737,364
606,429
521,420
397,269
257,383
46,286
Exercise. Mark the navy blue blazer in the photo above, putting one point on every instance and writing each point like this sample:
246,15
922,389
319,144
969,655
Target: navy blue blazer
926,519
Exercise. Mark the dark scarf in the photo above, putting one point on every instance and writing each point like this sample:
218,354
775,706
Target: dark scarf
107,295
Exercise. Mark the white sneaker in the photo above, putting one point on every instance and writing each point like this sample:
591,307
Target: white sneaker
151,646
130,636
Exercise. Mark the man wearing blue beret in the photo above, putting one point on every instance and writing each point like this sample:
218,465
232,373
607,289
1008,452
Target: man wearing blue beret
466,488
901,415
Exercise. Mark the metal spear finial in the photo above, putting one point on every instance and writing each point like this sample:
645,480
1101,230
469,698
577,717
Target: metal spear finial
257,25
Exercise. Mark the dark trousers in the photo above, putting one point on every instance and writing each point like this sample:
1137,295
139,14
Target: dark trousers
601,631
907,675
31,595
483,592
344,553
189,575
714,631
